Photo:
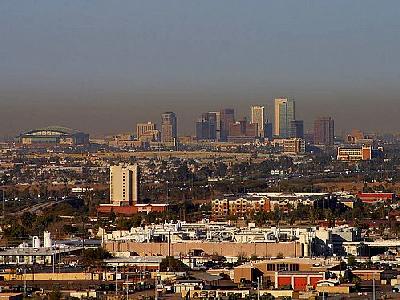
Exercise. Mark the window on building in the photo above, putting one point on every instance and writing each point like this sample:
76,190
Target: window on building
283,267
270,267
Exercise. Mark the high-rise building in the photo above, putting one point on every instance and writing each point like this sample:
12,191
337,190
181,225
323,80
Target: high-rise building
142,128
285,112
215,121
227,116
258,117
124,185
242,132
169,131
203,128
296,129
324,131
206,127
268,132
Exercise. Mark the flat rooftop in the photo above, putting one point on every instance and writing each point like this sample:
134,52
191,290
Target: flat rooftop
135,259
37,251
319,262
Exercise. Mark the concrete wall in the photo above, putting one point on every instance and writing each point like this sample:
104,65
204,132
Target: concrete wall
288,249
340,289
49,276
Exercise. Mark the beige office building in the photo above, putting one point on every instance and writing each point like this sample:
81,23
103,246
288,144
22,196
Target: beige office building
258,117
354,153
124,185
151,136
144,128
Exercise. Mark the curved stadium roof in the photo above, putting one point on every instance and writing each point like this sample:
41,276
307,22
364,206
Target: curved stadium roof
54,129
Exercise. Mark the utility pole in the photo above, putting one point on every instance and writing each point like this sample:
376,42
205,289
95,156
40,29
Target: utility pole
169,243
59,259
4,205
83,237
127,286
33,273
167,191
373,287
258,288
116,280
53,260
155,288
25,280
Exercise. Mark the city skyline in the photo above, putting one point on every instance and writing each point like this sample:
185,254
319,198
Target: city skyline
183,130
80,64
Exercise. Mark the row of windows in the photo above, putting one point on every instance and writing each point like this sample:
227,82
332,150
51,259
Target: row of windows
21,258
283,267
344,152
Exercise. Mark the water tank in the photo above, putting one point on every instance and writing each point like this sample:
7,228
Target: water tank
47,243
36,242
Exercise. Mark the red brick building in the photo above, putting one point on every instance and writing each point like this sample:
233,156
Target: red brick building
132,209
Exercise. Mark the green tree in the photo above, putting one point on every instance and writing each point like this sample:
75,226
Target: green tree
28,219
351,261
92,257
253,257
55,294
182,173
172,264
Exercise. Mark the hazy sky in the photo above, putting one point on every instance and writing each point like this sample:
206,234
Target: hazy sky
103,66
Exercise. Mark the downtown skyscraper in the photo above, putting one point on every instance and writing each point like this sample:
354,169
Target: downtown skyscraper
324,131
169,131
285,113
258,117
296,129
227,116
207,127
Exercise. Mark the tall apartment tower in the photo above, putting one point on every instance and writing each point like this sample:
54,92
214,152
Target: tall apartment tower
324,131
258,117
142,128
285,112
169,131
227,118
124,185
296,129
